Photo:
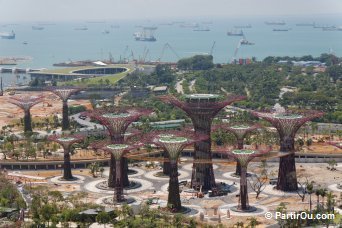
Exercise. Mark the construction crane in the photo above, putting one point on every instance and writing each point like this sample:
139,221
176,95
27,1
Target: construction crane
236,50
212,48
123,60
167,45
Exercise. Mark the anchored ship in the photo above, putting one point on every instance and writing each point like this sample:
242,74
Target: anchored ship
9,36
235,33
201,29
37,27
280,30
146,34
243,26
275,23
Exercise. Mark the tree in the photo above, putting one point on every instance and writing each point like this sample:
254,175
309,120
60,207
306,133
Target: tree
258,183
332,164
310,190
103,218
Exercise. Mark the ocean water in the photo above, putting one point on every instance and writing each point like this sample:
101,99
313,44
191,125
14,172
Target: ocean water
60,42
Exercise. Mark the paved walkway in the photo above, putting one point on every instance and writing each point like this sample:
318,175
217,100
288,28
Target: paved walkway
151,175
56,180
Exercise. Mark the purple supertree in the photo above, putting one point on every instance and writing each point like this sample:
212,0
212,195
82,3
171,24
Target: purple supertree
173,142
26,103
243,157
66,141
202,108
118,151
240,131
287,125
64,94
116,120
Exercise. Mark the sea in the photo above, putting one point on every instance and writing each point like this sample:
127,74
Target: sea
61,41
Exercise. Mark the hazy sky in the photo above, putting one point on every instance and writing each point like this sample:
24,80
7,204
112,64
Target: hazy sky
60,10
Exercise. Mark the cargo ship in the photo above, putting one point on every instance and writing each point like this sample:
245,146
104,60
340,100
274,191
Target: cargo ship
81,28
305,24
280,30
35,27
146,34
235,33
243,26
275,23
199,29
8,36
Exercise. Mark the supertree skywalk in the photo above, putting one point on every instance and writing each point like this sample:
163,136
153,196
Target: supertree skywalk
202,108
287,125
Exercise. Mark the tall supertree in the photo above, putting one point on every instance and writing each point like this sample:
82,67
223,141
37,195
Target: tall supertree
287,125
243,157
116,120
202,108
118,151
66,141
240,131
26,103
64,94
173,142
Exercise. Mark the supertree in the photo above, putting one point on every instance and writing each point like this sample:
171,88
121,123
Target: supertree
26,103
64,94
66,141
243,157
240,131
118,151
202,108
287,125
116,120
173,142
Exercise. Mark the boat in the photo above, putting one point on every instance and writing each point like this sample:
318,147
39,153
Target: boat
235,33
25,43
246,42
305,24
189,25
8,36
329,28
145,35
106,32
36,27
199,29
275,23
280,30
243,26
81,28
141,36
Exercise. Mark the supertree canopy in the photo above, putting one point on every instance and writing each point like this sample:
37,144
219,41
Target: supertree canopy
66,141
64,94
118,151
240,131
287,125
202,108
173,142
26,103
243,157
116,120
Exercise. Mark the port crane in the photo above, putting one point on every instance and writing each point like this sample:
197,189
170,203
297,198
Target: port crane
167,46
212,48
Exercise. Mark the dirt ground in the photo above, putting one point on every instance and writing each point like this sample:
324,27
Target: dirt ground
50,105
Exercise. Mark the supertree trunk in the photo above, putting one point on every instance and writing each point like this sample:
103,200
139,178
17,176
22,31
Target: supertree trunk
203,173
174,197
243,200
118,193
287,177
238,166
112,172
65,120
67,175
124,171
112,167
166,165
27,121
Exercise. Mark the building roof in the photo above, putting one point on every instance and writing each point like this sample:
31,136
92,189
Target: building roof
160,89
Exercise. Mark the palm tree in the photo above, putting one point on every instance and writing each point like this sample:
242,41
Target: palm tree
324,193
310,190
330,202
318,193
